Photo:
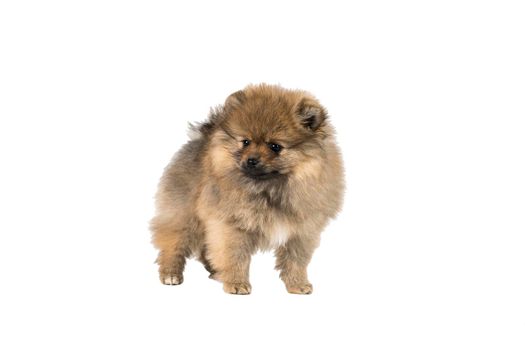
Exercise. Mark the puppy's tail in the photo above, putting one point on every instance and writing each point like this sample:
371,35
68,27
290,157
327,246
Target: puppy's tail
197,131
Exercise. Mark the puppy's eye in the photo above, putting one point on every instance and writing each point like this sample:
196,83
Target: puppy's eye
246,142
275,147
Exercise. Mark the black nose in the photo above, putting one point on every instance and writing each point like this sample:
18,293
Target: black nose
252,162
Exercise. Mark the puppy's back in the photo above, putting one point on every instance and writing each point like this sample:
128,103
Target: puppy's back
181,176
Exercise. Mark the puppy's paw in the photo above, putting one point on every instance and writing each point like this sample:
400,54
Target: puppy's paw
237,288
171,280
304,288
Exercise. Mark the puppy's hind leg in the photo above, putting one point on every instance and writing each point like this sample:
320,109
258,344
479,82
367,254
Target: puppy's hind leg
173,245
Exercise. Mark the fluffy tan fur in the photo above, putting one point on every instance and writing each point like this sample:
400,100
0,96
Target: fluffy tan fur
264,172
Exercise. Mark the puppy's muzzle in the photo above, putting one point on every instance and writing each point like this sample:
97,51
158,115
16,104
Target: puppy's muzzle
252,163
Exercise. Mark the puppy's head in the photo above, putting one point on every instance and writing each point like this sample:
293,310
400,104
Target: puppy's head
266,133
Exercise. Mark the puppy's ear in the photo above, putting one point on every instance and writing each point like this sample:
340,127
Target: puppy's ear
311,113
236,99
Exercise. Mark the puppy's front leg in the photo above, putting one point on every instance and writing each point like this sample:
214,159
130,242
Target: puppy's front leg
292,260
229,251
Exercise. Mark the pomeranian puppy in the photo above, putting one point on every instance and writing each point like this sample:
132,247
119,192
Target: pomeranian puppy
263,172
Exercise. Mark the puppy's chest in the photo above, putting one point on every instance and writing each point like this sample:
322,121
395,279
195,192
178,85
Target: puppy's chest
277,234
270,216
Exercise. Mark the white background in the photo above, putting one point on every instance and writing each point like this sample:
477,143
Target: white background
428,101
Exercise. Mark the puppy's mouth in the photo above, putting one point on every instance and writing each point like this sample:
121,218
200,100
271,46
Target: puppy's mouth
261,175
